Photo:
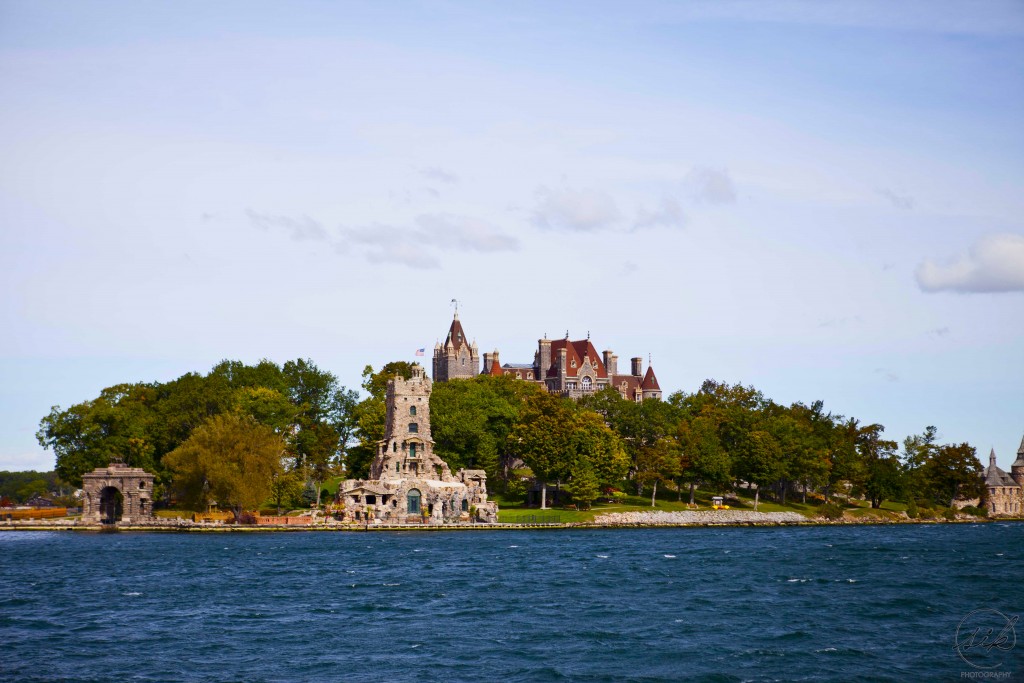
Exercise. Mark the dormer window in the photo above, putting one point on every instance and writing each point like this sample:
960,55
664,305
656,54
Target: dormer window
573,363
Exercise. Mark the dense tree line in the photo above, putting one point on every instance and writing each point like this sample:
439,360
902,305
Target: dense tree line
244,434
142,424
18,487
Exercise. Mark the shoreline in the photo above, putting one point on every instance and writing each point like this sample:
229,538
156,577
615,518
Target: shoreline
346,528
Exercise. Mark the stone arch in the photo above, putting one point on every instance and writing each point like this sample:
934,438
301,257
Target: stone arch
111,505
117,494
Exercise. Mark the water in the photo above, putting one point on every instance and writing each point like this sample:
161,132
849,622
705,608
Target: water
822,603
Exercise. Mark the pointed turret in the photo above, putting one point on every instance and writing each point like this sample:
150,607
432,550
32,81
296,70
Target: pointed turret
457,357
649,386
1017,468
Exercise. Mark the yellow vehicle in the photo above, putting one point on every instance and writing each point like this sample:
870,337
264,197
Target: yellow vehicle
717,503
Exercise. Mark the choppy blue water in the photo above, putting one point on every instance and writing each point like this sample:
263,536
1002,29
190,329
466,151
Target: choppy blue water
824,603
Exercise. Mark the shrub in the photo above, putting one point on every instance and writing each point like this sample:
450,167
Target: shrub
247,518
926,513
949,514
974,511
831,511
912,511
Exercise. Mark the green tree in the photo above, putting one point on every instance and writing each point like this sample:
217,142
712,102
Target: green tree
953,472
583,484
760,461
231,459
881,475
656,463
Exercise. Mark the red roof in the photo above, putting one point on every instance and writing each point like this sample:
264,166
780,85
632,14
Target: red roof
575,351
650,381
632,385
495,370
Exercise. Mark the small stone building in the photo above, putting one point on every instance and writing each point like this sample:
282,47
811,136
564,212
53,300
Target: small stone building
117,493
408,482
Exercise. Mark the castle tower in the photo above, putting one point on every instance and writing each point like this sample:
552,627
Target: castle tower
650,387
457,358
407,450
1017,468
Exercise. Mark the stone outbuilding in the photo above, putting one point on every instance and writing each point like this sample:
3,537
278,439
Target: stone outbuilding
117,493
408,482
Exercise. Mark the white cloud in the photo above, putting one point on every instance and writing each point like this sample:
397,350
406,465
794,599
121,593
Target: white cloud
711,185
439,174
995,263
417,247
448,231
578,210
900,201
668,215
299,229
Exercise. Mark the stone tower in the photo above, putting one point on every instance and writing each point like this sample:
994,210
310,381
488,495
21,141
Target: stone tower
407,450
1017,468
457,358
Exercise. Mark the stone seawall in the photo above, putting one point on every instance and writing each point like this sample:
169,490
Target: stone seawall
699,517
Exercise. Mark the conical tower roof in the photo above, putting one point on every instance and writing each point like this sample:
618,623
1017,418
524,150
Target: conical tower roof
1019,462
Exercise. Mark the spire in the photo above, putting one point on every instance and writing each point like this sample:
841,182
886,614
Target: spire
992,458
1020,451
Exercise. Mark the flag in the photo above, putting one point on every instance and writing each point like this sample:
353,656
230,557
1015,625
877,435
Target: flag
419,352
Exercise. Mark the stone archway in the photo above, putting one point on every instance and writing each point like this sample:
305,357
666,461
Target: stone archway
111,505
117,494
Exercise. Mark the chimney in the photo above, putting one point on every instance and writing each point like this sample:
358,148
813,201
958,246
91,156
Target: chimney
638,366
544,353
611,363
487,362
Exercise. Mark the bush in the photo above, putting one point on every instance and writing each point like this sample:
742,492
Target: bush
924,503
831,511
949,514
247,518
974,511
912,511
926,513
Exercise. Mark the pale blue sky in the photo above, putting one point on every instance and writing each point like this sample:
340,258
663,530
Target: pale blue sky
820,199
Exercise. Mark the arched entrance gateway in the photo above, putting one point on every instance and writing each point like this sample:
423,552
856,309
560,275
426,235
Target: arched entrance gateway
117,494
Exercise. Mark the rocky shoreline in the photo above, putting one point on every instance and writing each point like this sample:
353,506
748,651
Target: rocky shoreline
698,518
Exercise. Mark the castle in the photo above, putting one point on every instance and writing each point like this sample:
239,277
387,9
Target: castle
1005,491
563,367
408,481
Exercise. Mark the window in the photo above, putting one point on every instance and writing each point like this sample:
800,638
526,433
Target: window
142,484
414,427
394,446
585,383
529,375
465,505
412,410
412,450
397,466
412,501
371,500
573,363
463,362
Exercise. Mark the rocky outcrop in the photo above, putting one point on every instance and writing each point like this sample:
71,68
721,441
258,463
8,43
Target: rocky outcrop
698,517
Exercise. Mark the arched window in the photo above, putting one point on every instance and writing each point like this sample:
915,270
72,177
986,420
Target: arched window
414,427
412,501
412,450
585,383
412,410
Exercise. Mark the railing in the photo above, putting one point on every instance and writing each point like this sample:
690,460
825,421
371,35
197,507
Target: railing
539,518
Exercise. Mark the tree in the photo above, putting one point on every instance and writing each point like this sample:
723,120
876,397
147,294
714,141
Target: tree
656,463
543,439
583,485
702,460
954,472
285,489
760,461
881,475
231,459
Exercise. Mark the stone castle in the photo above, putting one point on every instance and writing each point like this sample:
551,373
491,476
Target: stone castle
563,367
1005,491
408,481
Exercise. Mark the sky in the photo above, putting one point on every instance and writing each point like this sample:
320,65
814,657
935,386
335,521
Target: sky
823,200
